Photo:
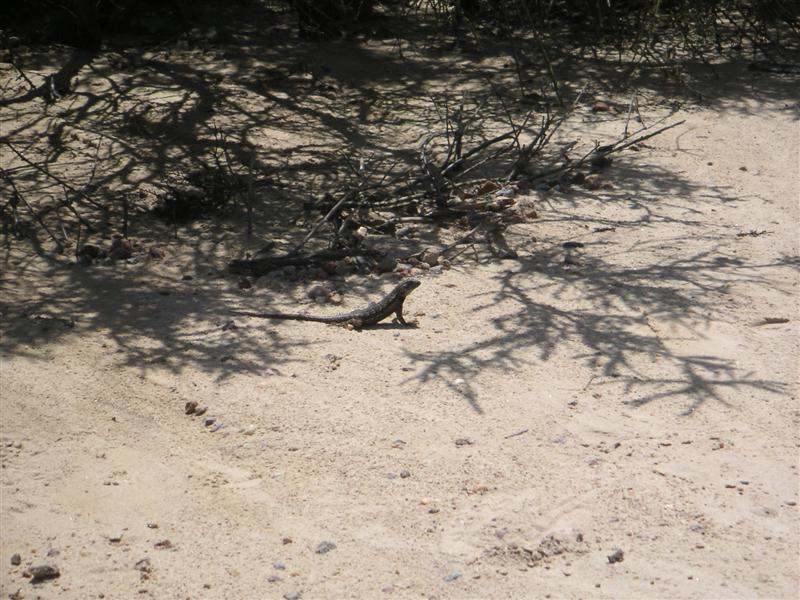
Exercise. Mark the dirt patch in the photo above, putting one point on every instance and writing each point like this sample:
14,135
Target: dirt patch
638,387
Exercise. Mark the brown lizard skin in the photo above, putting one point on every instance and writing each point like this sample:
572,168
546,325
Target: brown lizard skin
374,313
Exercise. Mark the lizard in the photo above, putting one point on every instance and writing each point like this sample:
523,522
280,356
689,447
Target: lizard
362,317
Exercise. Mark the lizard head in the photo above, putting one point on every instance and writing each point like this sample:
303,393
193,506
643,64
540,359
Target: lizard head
409,285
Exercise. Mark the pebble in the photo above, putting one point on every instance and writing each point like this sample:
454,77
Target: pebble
464,442
286,540
616,556
386,264
279,565
209,421
291,595
452,575
430,257
190,407
249,430
405,474
201,410
274,578
42,572
437,270
143,565
325,547
16,559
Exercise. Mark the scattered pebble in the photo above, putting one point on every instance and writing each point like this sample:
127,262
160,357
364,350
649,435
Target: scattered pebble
279,565
16,559
200,410
464,442
399,444
291,595
601,106
274,578
405,474
249,430
190,407
163,545
616,556
452,575
143,565
430,257
325,547
209,421
286,540
41,572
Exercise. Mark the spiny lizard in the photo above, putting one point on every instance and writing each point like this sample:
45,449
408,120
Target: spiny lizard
363,317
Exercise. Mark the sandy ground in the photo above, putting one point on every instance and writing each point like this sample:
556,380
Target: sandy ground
540,417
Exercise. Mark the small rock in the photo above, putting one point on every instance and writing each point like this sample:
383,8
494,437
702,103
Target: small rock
291,595
386,264
286,540
143,565
229,325
452,575
249,430
430,257
274,578
163,545
593,182
201,410
152,525
399,444
190,407
616,556
433,510
279,565
115,538
404,474
209,421
120,249
601,106
437,270
325,547
16,559
54,552
318,293
41,572
464,442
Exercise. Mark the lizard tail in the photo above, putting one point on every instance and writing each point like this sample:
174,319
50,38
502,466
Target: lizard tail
271,315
